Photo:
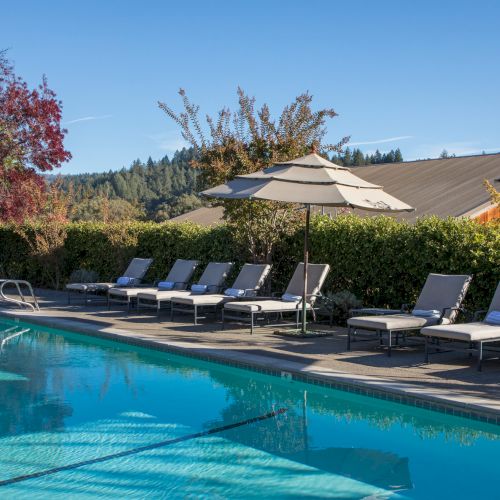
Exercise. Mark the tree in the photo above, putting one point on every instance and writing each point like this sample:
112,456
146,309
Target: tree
46,232
102,209
347,159
358,158
398,157
378,157
494,194
246,141
31,141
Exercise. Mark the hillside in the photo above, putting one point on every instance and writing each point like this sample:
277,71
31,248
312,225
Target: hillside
155,190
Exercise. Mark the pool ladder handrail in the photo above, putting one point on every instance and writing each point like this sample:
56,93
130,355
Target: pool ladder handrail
13,336
22,302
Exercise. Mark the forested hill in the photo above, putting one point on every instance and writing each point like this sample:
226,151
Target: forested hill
154,190
160,190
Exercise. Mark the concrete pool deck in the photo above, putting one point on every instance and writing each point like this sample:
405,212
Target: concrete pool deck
450,383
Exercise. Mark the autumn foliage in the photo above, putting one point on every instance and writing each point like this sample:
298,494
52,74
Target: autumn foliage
31,142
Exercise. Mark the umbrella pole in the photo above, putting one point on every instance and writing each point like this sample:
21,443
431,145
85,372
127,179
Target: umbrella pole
306,262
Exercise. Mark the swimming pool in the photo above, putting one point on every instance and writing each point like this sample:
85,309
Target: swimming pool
82,417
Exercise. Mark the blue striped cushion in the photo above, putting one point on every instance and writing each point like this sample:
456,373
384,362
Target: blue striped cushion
234,292
198,289
166,285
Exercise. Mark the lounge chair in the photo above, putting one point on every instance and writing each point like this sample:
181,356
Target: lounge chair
131,277
438,303
248,282
177,279
476,334
212,278
251,311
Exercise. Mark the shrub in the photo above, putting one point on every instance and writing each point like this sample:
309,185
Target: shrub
379,260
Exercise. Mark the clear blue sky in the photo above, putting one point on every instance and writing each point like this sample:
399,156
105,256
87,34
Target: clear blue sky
421,75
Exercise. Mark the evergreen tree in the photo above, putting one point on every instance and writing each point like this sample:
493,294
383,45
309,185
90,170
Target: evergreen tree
347,159
358,159
398,157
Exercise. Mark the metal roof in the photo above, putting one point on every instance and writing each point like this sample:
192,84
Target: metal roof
444,187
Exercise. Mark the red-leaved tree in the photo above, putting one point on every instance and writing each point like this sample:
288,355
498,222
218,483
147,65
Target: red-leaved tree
31,142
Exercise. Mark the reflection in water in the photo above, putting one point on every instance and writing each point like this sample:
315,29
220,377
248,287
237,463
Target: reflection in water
70,390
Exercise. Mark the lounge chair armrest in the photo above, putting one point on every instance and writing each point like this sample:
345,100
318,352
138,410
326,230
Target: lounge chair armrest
250,292
276,294
214,288
406,308
443,312
478,314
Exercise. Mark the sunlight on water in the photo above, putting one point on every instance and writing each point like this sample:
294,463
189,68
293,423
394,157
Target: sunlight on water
66,398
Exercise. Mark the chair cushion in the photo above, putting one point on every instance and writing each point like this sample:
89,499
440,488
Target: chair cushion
208,299
263,305
155,295
290,297
89,287
166,285
129,292
469,332
391,322
426,313
124,281
198,289
234,292
493,318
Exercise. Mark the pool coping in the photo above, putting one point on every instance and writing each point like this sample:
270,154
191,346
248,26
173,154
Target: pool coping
404,393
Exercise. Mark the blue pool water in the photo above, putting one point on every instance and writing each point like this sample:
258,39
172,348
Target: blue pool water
67,399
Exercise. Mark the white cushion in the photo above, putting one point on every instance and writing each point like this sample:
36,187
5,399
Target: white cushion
469,332
209,299
391,322
264,306
155,295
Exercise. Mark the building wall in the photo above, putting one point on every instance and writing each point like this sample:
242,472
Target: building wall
492,213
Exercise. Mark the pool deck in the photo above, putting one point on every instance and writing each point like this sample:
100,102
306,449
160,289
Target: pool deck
450,383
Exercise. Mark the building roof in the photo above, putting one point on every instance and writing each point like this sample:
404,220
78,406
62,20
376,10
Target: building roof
444,187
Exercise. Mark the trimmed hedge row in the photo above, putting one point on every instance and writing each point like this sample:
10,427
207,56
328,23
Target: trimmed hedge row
382,261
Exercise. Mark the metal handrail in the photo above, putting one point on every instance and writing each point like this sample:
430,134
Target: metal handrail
13,336
23,300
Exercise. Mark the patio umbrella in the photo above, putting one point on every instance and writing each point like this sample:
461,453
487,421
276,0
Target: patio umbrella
309,180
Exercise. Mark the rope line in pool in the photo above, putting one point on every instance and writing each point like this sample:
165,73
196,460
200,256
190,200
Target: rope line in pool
140,449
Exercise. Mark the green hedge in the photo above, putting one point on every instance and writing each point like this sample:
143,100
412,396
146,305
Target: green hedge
382,261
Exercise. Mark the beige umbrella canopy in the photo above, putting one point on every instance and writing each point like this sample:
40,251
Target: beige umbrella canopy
309,180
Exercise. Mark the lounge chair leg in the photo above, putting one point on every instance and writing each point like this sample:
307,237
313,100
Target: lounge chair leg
251,323
128,305
171,311
470,351
426,350
480,357
222,317
389,347
195,315
348,338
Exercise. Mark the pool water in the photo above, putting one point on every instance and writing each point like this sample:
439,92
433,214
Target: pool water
87,418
